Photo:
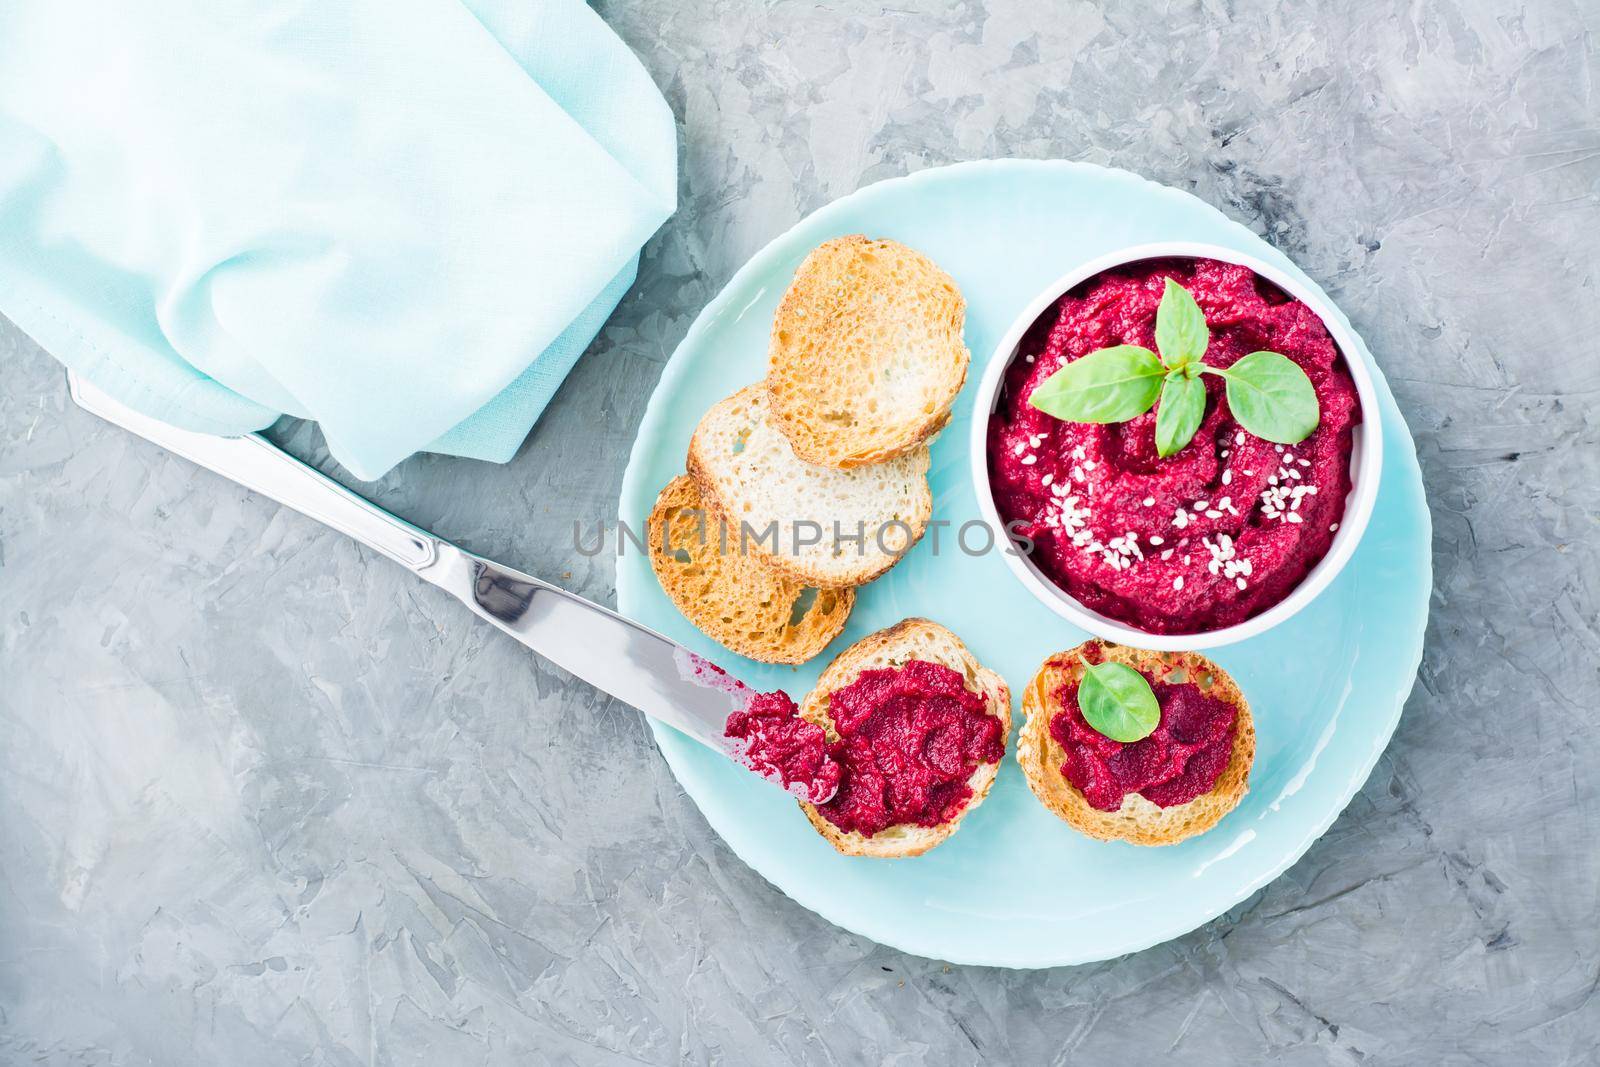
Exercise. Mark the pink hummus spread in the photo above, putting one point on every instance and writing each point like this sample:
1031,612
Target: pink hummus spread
769,736
1181,760
1205,538
909,740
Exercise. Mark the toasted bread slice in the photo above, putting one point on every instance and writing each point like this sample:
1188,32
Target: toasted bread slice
1138,820
747,471
866,354
905,641
736,600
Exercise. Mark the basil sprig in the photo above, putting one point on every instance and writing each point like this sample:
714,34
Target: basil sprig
1117,701
1267,392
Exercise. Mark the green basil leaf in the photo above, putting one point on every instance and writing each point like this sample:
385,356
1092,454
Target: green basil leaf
1272,397
1183,406
1181,332
1107,385
1117,701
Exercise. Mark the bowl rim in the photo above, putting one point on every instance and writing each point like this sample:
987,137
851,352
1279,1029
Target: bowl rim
1366,458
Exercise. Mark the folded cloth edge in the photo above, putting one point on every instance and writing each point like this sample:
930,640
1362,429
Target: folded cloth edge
144,373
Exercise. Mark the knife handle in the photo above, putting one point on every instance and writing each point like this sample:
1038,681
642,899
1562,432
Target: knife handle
259,465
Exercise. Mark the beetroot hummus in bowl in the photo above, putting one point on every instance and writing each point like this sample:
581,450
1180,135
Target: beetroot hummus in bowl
1222,539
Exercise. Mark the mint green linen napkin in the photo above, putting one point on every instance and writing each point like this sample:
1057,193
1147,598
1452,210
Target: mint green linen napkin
404,220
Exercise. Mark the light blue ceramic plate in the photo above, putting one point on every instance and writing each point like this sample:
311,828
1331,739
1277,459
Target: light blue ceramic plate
1015,887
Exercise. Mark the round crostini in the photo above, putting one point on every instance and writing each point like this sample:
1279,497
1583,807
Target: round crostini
1046,762
888,653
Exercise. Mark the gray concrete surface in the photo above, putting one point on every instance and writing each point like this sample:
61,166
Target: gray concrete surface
264,799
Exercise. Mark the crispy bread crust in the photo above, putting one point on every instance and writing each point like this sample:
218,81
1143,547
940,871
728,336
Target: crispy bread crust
736,600
826,381
699,466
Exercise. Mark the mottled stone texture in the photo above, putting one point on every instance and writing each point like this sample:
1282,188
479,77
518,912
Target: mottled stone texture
266,799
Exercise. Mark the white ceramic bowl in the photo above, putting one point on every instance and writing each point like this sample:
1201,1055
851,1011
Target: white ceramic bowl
1366,457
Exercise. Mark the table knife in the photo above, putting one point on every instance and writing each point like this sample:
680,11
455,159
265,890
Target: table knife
617,656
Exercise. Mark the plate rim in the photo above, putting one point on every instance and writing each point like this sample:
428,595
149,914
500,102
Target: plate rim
650,428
